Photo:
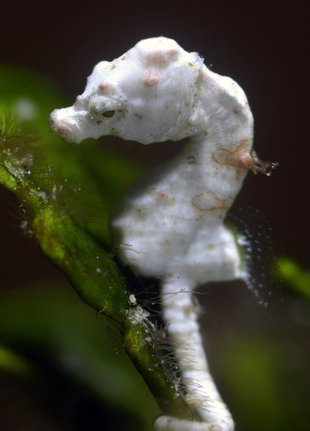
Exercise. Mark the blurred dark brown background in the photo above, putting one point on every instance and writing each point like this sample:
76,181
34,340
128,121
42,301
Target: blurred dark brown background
263,47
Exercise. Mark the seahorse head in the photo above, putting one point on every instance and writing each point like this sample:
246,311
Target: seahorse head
147,95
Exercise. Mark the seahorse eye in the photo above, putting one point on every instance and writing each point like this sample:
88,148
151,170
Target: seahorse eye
108,114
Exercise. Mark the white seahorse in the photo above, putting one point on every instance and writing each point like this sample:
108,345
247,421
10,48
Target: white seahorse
173,215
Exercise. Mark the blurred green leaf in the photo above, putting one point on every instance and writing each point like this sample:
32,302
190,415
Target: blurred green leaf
266,381
60,186
12,363
51,324
293,276
90,176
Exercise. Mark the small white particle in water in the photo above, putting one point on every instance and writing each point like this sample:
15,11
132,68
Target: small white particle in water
54,192
24,224
242,240
25,109
132,299
98,270
137,315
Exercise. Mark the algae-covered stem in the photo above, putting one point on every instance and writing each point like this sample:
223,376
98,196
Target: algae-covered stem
171,219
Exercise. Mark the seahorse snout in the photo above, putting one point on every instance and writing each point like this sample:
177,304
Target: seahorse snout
69,123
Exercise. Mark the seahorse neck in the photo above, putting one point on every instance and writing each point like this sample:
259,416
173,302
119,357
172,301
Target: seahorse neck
217,158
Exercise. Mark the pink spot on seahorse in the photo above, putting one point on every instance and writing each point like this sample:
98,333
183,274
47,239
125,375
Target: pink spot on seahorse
207,79
160,59
151,79
236,111
64,129
103,86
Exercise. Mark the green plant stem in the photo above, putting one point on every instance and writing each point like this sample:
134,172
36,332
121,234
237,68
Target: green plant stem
143,356
97,280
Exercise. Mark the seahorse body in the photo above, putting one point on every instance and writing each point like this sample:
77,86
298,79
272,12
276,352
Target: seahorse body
171,220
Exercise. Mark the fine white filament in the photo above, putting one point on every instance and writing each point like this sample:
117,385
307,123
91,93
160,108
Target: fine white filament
172,217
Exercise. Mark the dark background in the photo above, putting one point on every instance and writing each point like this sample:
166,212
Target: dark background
264,47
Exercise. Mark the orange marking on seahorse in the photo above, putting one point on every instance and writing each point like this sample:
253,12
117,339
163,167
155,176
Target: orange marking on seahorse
217,204
159,193
191,159
240,158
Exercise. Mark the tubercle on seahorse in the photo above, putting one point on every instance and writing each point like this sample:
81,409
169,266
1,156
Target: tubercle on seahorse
172,217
